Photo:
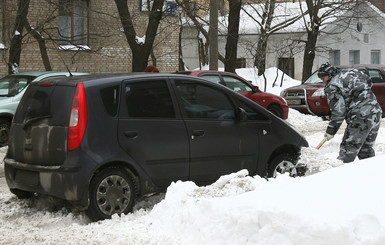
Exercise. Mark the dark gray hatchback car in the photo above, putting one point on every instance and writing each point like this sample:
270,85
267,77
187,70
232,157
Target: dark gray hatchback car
101,141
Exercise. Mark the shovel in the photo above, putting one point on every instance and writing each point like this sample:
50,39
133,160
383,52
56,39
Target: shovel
321,143
302,168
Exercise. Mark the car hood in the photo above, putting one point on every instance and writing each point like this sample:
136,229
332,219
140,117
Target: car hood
313,86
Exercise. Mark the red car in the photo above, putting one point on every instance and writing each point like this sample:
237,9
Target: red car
309,97
273,103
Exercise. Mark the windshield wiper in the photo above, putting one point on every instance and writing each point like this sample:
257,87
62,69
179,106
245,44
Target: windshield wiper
34,119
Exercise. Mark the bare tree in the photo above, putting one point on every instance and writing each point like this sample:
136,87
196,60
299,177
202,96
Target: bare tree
140,50
16,41
263,14
319,13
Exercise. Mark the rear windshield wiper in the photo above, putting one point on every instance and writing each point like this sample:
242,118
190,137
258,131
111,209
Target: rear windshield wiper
34,119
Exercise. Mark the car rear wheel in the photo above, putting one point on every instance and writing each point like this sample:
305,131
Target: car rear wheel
5,126
276,110
111,191
283,164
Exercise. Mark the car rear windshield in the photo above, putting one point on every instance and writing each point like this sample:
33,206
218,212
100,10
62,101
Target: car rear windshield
41,102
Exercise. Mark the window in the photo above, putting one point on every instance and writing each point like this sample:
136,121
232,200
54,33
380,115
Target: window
73,22
204,102
286,65
251,112
375,56
376,76
335,57
236,84
169,7
241,63
149,99
354,57
110,98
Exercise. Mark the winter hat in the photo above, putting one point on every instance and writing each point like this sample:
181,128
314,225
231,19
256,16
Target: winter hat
324,70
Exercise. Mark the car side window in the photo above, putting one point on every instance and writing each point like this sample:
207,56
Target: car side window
236,84
212,78
376,76
252,113
149,99
110,98
201,101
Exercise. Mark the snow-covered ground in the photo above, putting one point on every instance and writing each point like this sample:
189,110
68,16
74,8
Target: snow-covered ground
334,203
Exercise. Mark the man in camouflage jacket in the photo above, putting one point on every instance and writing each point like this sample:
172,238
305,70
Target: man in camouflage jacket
350,98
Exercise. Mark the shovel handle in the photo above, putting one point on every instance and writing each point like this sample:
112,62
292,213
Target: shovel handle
321,143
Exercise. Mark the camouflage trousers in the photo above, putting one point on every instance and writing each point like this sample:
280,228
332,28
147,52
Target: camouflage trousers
359,138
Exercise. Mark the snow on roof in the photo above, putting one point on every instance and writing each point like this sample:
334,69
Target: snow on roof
284,11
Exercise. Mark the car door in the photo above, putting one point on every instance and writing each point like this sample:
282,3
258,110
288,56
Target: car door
216,144
150,131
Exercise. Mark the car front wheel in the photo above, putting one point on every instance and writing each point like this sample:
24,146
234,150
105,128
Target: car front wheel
283,164
5,126
112,191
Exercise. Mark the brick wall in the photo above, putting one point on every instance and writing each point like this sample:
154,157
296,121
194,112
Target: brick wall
109,50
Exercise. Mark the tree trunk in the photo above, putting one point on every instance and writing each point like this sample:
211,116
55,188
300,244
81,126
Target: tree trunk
140,52
309,55
42,46
16,41
232,36
312,35
260,57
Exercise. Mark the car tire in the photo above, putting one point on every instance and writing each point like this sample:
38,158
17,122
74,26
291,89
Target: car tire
21,194
5,126
276,110
283,163
111,191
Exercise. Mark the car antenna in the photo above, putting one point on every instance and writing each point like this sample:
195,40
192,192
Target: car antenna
68,70
66,66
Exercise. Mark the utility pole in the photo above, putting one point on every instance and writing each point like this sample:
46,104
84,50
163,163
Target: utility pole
213,35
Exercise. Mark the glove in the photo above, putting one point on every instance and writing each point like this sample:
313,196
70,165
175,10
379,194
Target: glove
328,136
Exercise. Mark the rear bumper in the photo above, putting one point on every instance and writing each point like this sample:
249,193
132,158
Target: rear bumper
68,183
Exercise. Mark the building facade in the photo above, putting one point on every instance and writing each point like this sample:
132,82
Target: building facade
360,42
86,36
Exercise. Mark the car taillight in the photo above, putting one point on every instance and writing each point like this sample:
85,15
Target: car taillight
78,118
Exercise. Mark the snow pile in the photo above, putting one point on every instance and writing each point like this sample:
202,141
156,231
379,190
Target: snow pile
335,203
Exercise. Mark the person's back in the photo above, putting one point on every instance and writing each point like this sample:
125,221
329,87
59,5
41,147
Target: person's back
355,87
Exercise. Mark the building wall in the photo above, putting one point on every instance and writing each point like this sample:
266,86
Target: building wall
108,48
285,45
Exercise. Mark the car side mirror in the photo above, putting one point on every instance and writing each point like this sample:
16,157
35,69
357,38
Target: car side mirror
255,89
242,115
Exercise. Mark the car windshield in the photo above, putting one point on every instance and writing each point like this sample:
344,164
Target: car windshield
12,85
313,79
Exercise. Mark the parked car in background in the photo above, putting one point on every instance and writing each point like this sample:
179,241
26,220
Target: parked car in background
309,97
12,88
273,103
100,141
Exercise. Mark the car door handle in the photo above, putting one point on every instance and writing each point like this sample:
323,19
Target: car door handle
197,133
131,134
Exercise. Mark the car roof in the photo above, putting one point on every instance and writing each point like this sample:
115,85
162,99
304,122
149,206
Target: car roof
205,71
42,73
106,77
